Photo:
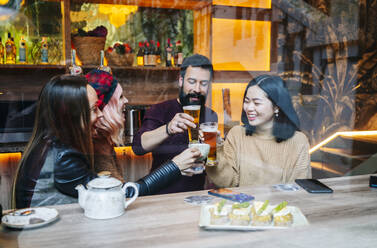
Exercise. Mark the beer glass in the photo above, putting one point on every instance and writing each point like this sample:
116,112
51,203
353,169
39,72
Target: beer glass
194,112
209,130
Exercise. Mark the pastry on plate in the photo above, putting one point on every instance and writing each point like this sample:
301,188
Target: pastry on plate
282,215
240,214
283,218
260,214
219,213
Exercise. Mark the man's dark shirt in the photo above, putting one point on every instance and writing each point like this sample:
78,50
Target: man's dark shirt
157,116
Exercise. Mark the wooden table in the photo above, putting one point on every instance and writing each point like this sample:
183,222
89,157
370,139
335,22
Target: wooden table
346,218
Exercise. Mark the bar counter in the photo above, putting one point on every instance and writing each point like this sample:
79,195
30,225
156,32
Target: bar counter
346,218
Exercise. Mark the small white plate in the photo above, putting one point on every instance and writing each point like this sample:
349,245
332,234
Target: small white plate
299,219
199,199
43,216
286,187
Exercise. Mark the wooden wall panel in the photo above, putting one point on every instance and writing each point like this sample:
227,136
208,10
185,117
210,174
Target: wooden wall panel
202,31
245,47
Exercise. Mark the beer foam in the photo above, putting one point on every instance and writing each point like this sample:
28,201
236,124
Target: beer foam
208,129
191,107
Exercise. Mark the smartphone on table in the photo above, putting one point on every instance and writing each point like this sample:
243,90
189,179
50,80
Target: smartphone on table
313,186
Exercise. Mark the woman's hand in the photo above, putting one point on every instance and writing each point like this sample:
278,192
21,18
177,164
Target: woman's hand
187,158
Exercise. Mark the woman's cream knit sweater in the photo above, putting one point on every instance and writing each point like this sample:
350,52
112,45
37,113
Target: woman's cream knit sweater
257,160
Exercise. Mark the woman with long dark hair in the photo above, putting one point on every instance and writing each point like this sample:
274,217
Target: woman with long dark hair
59,155
269,148
61,141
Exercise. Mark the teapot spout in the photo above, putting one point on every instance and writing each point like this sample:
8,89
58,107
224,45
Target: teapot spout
81,194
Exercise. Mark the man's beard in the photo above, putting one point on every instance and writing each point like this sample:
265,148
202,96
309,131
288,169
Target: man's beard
185,98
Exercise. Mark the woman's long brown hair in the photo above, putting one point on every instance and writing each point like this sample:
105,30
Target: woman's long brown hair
62,114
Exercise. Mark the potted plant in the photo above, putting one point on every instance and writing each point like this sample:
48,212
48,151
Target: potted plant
89,45
120,54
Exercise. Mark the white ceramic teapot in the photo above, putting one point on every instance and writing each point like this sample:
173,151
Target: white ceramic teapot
105,197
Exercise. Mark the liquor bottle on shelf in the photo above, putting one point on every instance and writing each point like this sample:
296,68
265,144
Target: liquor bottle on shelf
44,51
73,56
74,69
146,53
140,55
1,52
10,51
158,54
14,49
102,63
169,57
179,53
152,55
172,55
22,51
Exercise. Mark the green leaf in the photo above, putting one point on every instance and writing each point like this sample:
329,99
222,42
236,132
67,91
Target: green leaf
264,206
279,207
220,205
241,205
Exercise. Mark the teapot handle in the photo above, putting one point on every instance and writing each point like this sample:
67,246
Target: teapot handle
132,185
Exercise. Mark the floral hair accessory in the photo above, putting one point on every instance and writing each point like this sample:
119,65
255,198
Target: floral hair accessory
104,84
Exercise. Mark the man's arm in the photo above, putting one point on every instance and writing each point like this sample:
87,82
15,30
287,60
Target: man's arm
179,124
151,139
155,130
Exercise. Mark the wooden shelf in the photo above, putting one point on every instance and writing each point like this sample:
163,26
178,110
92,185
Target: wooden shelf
165,4
30,66
146,68
136,68
13,67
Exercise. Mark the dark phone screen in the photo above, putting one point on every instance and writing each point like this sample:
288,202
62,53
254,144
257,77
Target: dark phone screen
313,186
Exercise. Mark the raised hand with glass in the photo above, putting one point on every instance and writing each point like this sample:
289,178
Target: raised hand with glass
209,136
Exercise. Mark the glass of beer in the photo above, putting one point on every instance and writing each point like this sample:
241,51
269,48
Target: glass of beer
194,112
209,130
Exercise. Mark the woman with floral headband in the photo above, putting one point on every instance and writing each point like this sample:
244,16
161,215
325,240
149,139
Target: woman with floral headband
109,129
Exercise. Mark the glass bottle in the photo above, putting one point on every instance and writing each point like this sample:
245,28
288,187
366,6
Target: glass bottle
74,69
179,53
22,51
10,50
14,49
168,55
158,54
1,52
140,55
44,51
146,53
152,55
102,63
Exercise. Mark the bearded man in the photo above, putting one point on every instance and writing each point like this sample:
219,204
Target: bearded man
164,128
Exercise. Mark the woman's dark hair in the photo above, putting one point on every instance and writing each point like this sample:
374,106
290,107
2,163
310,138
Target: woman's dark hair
62,114
287,122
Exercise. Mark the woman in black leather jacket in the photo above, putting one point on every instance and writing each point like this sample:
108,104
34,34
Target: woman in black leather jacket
59,155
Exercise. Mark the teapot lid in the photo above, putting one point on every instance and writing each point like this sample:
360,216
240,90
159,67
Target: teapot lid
104,181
